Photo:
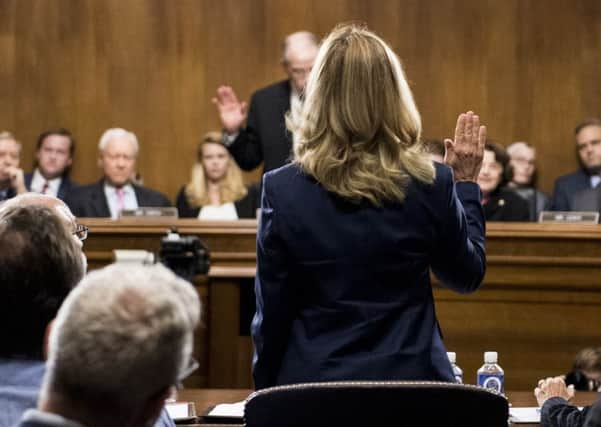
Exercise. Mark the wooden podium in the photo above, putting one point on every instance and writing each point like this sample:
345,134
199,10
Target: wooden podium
539,304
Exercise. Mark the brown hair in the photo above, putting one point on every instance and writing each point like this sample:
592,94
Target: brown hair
359,130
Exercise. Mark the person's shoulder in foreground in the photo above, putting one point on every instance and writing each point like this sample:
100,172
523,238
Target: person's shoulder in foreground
553,396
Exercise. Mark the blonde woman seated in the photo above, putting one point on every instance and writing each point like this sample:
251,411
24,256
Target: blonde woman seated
216,189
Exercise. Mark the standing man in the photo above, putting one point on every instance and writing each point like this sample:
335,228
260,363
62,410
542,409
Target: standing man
265,138
588,145
12,181
54,155
115,191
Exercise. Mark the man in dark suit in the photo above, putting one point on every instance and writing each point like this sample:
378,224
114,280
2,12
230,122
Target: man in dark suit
54,156
265,139
553,396
588,145
11,175
588,200
115,191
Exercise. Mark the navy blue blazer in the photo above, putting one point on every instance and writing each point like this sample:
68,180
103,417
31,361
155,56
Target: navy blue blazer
90,201
343,290
558,412
265,138
566,187
63,189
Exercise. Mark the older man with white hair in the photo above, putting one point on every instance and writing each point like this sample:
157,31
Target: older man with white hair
115,192
121,341
264,139
11,175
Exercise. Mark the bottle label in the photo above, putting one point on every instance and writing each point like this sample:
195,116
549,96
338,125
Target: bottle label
492,382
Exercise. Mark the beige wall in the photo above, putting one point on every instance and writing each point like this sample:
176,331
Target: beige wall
529,67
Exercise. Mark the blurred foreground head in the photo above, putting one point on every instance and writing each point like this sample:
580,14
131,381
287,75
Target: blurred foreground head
41,262
121,340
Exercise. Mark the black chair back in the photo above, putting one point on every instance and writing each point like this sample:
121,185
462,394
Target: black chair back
376,403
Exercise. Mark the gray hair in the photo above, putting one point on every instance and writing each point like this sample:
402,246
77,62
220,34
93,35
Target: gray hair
122,336
300,39
114,133
512,148
7,136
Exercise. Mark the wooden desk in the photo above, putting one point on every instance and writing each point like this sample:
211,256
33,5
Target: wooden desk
539,304
207,398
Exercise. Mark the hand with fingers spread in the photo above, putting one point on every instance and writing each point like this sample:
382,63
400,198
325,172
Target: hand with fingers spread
552,387
464,153
232,112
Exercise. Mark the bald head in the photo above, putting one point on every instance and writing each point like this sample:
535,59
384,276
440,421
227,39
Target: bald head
298,55
35,199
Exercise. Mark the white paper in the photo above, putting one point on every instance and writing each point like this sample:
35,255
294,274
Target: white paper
524,415
232,410
177,410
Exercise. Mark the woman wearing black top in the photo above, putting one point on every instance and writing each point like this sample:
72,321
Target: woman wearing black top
499,203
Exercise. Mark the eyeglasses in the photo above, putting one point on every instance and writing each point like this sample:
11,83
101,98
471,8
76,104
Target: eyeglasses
192,366
81,231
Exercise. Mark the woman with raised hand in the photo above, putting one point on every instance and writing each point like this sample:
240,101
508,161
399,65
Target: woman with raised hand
349,231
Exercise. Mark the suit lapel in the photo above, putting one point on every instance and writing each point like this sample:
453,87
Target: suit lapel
99,203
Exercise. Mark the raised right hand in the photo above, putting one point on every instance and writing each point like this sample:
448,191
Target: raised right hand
231,111
464,154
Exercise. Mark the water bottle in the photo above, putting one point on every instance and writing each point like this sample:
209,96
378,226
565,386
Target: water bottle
490,375
457,372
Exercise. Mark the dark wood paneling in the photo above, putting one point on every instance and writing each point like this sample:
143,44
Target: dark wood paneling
529,67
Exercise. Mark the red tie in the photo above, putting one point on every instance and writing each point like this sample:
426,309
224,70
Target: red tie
45,187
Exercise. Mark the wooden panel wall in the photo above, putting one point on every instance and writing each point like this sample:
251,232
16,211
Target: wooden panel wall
529,67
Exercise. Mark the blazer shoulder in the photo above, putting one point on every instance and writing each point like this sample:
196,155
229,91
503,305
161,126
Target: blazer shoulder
275,90
149,197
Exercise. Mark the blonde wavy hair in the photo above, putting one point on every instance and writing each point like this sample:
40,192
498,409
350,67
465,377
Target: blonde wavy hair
359,130
231,187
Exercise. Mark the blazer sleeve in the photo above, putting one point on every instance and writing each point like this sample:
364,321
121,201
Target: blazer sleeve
561,199
557,412
184,209
246,148
275,294
460,256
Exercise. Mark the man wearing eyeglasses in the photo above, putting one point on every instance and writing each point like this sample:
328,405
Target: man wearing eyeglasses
42,260
264,139
120,342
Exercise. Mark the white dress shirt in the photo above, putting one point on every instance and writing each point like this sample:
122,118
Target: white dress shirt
595,180
129,199
227,211
38,181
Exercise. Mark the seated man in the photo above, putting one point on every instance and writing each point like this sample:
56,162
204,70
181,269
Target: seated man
553,395
120,342
588,145
42,260
115,191
54,155
11,176
522,158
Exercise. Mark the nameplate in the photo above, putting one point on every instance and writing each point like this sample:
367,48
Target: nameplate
571,217
149,212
